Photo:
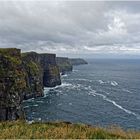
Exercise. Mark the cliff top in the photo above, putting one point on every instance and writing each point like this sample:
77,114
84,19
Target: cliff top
14,52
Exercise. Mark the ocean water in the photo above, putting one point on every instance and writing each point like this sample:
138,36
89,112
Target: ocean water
104,92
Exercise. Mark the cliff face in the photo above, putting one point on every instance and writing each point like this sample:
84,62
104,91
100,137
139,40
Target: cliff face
42,71
23,78
34,75
77,61
51,76
64,64
12,84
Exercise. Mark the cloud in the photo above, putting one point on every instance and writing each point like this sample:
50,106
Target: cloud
70,27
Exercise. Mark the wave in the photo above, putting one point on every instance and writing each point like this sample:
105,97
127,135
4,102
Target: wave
58,89
59,86
113,83
26,106
70,103
39,101
64,85
126,90
94,93
65,75
117,105
35,105
75,70
101,82
80,79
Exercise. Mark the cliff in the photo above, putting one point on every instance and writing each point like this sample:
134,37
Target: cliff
42,71
34,75
64,64
12,84
24,77
51,76
77,61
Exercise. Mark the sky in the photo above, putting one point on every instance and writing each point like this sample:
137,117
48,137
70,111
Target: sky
72,28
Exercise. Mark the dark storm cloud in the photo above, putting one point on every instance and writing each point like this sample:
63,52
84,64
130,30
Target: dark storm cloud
71,27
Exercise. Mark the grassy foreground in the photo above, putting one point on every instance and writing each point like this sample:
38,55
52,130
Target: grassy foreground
60,130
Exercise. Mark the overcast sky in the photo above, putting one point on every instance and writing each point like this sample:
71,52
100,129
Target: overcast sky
70,28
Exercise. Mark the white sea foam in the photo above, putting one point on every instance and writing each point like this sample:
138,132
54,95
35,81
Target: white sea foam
59,104
80,79
101,82
94,93
126,90
39,119
65,85
70,103
35,105
87,80
65,75
26,106
75,70
113,83
30,122
62,85
39,101
118,106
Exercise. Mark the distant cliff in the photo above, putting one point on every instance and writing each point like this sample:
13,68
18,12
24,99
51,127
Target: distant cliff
77,61
64,64
24,77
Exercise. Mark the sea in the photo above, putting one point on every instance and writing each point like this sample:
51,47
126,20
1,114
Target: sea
104,92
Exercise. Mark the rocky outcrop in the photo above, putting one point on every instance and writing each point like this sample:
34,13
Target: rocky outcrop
51,75
34,75
12,84
77,61
64,64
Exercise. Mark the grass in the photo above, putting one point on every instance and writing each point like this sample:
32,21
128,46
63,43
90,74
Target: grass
61,130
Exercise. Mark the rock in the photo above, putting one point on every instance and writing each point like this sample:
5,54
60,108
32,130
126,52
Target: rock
77,61
42,72
12,84
51,76
64,64
34,75
23,78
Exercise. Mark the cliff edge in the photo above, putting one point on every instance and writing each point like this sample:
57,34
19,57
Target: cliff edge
77,61
12,84
23,77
